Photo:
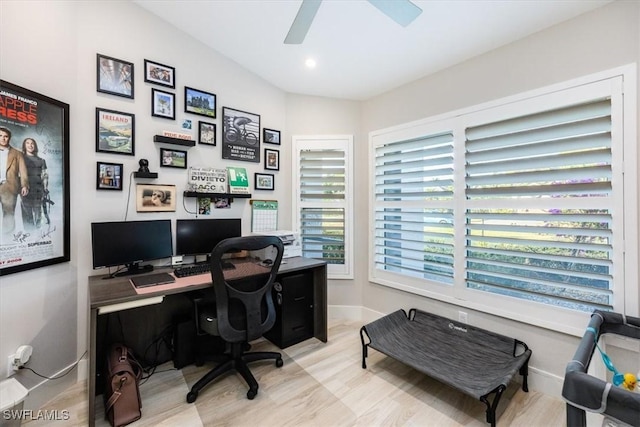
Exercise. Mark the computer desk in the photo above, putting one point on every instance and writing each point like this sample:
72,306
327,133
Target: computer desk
116,294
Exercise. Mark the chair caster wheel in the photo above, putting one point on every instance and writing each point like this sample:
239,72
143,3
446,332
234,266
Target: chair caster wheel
192,396
279,363
251,394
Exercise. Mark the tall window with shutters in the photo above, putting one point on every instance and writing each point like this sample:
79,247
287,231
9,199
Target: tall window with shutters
515,209
323,204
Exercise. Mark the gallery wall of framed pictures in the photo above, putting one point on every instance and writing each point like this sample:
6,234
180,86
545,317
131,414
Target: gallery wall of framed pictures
241,131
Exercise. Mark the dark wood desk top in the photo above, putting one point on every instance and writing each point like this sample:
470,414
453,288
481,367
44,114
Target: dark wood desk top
103,292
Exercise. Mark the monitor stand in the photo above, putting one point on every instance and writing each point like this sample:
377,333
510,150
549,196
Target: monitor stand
135,268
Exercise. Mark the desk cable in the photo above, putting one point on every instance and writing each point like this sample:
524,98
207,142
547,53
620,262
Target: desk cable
71,368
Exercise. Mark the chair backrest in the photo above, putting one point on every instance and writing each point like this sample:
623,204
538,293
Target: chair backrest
244,301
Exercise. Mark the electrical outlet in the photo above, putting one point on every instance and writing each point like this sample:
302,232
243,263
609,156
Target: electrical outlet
11,367
462,317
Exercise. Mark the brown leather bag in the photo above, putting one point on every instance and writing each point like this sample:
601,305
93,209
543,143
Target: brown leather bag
122,396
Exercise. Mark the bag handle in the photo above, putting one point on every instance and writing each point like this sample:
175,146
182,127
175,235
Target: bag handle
116,394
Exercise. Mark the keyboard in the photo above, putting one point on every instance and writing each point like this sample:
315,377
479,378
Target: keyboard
196,269
152,280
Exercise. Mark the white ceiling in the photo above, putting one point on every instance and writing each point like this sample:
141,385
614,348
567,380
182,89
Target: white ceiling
360,52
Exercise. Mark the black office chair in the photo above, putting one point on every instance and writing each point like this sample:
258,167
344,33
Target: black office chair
243,309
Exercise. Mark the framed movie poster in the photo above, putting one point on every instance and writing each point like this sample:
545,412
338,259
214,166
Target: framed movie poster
34,230
240,135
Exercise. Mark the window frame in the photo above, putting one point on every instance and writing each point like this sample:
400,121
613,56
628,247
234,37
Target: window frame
626,294
340,142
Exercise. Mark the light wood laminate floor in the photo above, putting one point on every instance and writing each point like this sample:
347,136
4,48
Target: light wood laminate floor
319,385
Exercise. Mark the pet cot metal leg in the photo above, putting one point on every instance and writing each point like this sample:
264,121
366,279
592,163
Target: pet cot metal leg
363,331
491,407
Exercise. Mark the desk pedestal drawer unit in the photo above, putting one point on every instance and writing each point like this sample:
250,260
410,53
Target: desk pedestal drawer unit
294,310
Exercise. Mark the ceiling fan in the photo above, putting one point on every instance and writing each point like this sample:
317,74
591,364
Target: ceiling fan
401,11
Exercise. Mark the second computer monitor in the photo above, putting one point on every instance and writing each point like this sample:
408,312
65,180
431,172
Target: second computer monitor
200,236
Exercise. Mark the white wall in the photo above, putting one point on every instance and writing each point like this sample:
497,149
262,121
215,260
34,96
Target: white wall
50,48
606,38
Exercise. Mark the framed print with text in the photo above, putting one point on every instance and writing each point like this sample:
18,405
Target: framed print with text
240,135
115,76
115,132
35,231
159,74
163,104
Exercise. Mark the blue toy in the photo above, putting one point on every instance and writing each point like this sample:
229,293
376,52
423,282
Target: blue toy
618,378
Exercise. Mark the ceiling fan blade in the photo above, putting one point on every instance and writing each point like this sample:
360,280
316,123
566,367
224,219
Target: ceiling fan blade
302,21
401,11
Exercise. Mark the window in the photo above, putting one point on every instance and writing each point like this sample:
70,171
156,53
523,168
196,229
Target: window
514,208
323,204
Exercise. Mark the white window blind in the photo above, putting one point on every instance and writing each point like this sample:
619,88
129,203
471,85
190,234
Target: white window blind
324,205
561,252
525,207
413,214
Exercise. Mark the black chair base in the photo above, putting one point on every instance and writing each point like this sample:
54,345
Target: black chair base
236,361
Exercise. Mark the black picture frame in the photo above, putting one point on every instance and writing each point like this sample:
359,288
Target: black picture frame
170,158
240,135
109,176
271,136
115,132
206,133
159,74
163,104
271,159
199,102
46,240
263,181
114,76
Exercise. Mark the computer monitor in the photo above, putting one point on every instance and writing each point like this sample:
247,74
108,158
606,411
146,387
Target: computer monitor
130,243
200,236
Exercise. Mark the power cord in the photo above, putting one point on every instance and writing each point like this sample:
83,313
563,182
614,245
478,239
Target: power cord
59,376
128,196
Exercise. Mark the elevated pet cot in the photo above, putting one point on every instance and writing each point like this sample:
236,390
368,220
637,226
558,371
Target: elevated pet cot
474,361
584,392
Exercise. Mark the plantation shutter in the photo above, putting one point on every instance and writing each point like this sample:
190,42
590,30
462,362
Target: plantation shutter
413,192
324,203
560,251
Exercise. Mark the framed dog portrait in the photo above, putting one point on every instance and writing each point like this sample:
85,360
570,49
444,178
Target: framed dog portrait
263,181
109,176
155,198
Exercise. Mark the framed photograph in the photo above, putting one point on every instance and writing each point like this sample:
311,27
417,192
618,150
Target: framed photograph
36,227
271,136
163,104
199,102
263,181
115,76
115,132
109,176
240,135
271,159
173,158
155,198
159,74
207,133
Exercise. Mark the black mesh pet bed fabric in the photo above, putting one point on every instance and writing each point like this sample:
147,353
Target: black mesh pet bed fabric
473,360
583,392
